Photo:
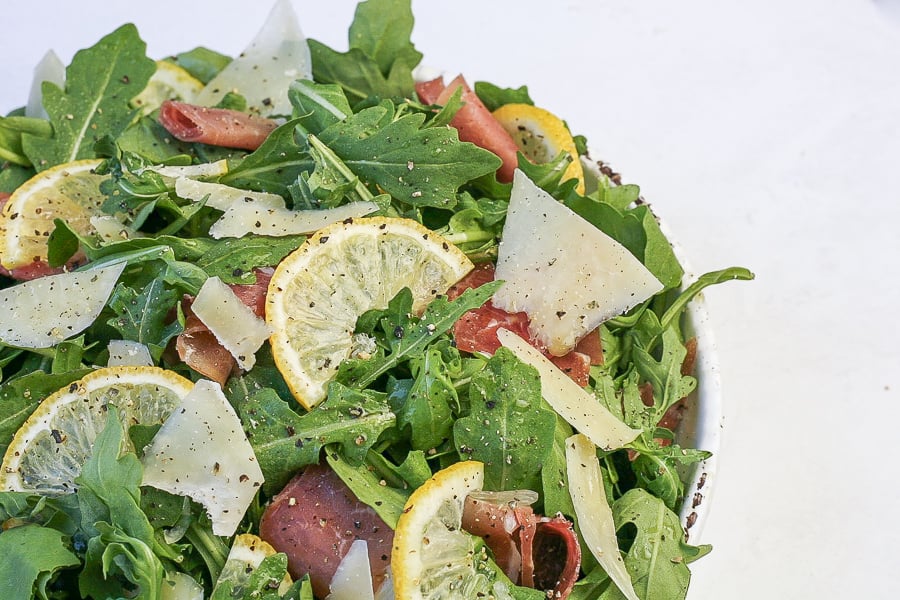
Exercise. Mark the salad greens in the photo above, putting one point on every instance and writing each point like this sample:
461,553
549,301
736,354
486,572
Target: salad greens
414,405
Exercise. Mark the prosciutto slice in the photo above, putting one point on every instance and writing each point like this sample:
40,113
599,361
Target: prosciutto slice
534,551
476,330
315,519
474,122
199,349
215,126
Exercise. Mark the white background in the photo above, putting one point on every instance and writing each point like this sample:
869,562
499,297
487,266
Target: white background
767,134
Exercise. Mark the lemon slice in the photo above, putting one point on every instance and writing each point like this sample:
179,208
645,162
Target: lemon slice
169,82
541,136
50,448
70,191
318,291
433,557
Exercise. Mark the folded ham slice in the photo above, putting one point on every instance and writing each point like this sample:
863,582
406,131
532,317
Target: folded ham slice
474,122
215,126
534,551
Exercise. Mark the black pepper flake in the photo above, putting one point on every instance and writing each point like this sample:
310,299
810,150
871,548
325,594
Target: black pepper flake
398,332
323,239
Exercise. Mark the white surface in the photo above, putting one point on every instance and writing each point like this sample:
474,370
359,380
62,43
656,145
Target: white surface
768,135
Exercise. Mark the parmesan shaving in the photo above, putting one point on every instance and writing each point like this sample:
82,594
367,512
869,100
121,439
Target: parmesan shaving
564,273
595,518
233,323
201,452
263,72
43,312
221,196
353,578
128,353
256,217
579,408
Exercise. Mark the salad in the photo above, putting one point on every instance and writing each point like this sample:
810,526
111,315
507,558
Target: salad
305,323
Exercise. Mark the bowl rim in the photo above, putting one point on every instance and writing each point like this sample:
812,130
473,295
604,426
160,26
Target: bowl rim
705,425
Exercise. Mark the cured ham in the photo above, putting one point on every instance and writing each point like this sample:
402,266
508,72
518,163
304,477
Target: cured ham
533,550
199,349
474,122
215,126
476,330
315,519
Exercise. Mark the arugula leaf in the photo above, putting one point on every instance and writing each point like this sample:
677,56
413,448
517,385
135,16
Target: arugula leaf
284,441
418,166
275,164
262,584
100,82
12,176
141,316
32,555
120,534
669,385
410,335
318,105
494,97
381,56
202,63
387,501
11,131
659,555
507,428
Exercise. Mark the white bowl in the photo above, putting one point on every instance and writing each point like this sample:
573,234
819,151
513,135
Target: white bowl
702,423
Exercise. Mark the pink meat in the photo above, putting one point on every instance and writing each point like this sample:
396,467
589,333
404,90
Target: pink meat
534,551
215,126
315,519
474,122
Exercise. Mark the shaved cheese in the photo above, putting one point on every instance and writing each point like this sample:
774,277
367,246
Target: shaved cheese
233,323
51,70
201,452
128,353
263,72
43,312
223,197
110,229
353,578
213,169
595,518
255,217
579,408
564,273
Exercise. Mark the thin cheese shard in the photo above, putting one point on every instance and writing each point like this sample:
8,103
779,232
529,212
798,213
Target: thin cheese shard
255,217
201,452
43,312
233,323
564,273
579,408
263,72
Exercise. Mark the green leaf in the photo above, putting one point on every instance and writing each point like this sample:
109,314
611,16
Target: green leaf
285,441
427,405
505,400
142,316
100,82
381,56
274,165
418,166
494,97
414,334
659,554
113,555
11,131
387,501
669,385
318,105
202,63
12,176
32,555
704,281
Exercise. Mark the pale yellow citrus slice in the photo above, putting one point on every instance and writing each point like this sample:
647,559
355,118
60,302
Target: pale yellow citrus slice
70,192
541,136
433,557
50,448
318,291
169,82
